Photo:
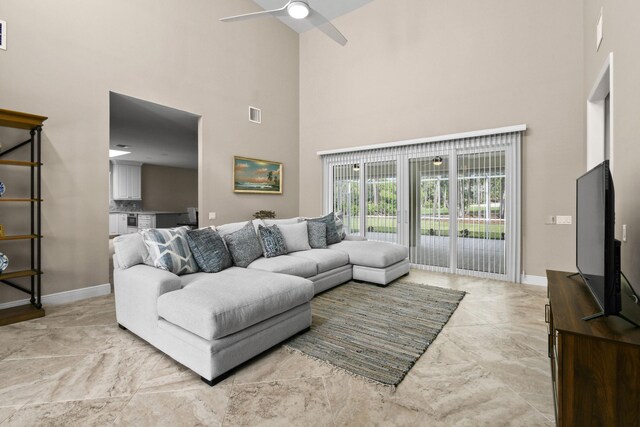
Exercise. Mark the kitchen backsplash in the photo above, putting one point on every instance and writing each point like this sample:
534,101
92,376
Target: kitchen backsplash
125,206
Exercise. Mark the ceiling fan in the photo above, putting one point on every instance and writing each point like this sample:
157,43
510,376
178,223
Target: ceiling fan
296,10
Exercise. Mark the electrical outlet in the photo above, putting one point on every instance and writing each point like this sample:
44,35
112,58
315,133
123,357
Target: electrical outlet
564,220
624,232
212,215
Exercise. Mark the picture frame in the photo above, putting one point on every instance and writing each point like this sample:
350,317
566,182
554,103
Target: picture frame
256,176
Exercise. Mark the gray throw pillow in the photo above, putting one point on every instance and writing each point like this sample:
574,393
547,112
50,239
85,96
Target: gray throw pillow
296,236
272,240
169,250
332,233
340,225
244,245
209,250
317,235
130,250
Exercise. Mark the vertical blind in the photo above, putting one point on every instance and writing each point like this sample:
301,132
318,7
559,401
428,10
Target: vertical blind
454,203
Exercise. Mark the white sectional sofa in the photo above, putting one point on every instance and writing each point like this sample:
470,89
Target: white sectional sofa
213,322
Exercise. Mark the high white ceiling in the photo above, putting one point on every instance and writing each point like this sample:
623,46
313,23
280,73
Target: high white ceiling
330,9
155,134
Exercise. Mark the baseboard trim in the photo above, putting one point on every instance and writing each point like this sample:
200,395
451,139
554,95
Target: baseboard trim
528,279
65,297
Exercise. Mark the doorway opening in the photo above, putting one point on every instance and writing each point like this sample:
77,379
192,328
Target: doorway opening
153,166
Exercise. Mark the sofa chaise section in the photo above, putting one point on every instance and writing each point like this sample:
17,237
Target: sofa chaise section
375,262
216,305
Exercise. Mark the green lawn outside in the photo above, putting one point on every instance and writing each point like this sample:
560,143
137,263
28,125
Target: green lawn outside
435,227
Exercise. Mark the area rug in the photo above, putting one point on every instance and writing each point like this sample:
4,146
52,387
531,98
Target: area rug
377,333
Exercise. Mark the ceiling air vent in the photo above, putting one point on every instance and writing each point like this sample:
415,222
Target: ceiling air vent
3,35
255,115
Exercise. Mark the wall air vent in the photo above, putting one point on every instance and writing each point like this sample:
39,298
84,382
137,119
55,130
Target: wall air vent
255,115
3,35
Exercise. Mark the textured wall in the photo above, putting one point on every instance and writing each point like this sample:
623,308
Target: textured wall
430,68
64,57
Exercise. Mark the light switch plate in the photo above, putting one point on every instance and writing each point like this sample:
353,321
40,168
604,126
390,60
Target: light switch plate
564,220
212,215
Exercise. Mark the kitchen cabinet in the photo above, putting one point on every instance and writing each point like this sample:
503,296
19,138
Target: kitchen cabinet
126,181
122,223
113,224
146,221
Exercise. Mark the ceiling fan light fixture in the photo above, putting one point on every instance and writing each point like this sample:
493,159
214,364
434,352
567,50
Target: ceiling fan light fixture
298,10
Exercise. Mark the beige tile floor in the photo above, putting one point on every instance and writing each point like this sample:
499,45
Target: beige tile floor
488,366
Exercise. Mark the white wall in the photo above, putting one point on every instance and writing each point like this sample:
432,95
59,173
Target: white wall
432,67
64,57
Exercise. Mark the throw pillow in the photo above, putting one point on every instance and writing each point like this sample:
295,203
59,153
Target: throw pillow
317,235
244,245
340,225
272,240
296,236
169,250
225,229
209,250
130,250
330,221
280,222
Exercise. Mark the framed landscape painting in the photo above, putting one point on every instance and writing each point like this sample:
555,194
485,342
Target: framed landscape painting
256,176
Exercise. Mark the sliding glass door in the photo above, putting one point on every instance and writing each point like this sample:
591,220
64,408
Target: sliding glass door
429,201
481,210
455,204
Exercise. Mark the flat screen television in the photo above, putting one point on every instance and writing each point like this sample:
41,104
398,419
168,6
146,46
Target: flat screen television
597,250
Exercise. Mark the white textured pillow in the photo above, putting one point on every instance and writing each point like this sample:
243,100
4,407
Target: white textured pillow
296,237
280,222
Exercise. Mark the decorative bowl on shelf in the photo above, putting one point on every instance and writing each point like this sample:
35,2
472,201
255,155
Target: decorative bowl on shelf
4,262
2,188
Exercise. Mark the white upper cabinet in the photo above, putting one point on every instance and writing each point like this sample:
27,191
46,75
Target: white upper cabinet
127,181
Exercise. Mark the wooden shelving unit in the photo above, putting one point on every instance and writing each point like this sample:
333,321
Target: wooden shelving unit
32,146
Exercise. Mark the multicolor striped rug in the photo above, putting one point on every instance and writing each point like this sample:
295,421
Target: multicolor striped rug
375,332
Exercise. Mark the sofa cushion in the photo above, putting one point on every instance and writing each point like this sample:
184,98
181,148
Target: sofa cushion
209,250
326,259
317,235
296,236
220,304
330,221
169,250
372,254
244,245
286,264
272,241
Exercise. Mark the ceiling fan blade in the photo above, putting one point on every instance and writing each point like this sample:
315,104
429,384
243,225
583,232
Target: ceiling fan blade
326,27
262,14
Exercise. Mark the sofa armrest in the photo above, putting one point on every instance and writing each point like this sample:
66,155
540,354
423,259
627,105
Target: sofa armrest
137,290
354,238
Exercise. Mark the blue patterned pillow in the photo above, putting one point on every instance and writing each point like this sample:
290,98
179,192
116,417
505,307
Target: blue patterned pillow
272,241
317,235
332,233
244,245
169,250
209,250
